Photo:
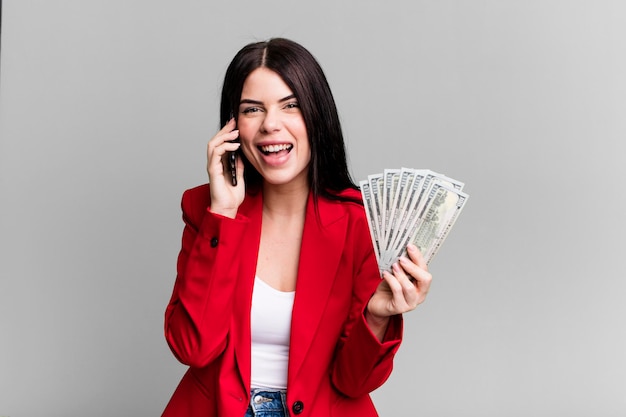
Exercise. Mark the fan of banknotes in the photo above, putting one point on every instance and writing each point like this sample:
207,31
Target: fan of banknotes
410,206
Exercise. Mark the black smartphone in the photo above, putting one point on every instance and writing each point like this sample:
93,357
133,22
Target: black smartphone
232,163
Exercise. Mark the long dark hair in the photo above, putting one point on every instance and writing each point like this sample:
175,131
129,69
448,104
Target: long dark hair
328,169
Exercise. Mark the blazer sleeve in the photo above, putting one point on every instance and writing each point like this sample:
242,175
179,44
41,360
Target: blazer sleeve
362,362
197,318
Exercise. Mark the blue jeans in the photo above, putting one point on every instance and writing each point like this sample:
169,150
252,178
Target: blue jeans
267,403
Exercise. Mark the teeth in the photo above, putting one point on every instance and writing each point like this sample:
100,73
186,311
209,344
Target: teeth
275,148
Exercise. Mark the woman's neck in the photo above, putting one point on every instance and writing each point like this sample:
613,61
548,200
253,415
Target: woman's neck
285,200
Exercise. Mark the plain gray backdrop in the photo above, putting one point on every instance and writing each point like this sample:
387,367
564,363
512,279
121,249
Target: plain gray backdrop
106,108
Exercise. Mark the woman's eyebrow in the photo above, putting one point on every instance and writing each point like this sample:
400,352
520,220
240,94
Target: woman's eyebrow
250,101
257,102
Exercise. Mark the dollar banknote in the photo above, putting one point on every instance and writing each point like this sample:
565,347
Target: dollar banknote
407,205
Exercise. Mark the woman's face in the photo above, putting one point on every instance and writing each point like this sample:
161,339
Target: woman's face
272,131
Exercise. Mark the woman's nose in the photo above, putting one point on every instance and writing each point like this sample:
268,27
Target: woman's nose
271,121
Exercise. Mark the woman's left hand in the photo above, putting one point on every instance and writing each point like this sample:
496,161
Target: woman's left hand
401,291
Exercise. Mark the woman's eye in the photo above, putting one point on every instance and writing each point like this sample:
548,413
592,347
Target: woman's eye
249,110
292,105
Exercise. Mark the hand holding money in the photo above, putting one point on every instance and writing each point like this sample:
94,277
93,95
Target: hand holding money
401,291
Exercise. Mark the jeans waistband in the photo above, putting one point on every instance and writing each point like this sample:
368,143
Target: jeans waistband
268,403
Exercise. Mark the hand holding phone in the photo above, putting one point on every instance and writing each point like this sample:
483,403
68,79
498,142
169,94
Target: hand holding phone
223,169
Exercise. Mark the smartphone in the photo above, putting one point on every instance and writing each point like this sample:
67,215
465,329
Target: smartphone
232,162
232,165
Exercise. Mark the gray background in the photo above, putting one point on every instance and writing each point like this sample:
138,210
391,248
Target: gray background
106,108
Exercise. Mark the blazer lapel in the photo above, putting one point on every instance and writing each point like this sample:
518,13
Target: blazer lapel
322,245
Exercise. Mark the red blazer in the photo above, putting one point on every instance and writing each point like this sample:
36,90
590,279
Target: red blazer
334,360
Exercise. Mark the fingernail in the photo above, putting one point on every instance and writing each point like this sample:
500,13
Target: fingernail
411,246
404,259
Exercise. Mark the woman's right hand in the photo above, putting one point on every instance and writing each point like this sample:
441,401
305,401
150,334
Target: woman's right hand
225,197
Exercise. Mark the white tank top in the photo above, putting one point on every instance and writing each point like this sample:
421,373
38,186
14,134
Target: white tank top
270,321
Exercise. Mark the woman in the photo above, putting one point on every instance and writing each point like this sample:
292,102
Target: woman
278,306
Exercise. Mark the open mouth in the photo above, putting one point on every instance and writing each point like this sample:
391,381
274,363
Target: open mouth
273,149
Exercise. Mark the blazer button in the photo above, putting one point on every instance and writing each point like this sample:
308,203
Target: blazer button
297,407
214,242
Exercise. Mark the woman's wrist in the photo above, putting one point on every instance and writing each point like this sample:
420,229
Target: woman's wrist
378,325
230,213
